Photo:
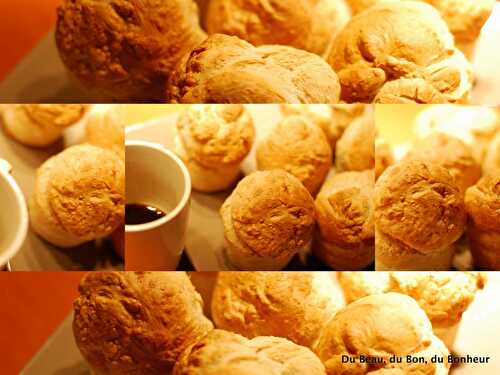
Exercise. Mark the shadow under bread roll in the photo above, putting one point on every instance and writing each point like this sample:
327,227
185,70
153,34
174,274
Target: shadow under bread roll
137,323
293,305
380,327
268,218
226,353
344,208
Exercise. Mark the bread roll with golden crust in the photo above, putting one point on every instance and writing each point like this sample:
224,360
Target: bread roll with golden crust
405,45
492,158
344,211
213,140
381,326
79,196
355,150
293,305
384,156
125,50
450,153
267,219
299,147
137,322
225,69
225,353
40,125
304,24
106,127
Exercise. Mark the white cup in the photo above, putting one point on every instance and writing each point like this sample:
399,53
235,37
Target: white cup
13,216
155,176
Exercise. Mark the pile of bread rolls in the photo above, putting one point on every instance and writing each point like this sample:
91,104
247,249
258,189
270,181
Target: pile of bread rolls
250,51
282,323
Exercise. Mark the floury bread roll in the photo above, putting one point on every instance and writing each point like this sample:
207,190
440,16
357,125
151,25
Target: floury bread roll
304,24
384,156
381,326
79,196
213,140
483,206
225,69
293,305
40,125
355,150
137,323
346,233
399,52
444,296
299,147
492,159
125,50
267,219
106,127
226,353
450,153
419,214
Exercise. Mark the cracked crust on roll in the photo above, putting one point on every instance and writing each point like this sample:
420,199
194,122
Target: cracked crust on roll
225,69
125,50
226,353
293,305
137,322
420,205
483,202
299,147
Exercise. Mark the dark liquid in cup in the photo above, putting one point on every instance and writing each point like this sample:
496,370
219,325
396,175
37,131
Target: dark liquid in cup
136,213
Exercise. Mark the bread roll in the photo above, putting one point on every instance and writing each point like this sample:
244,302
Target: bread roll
79,196
267,219
381,326
293,305
299,147
344,210
492,158
397,52
450,153
225,353
444,296
384,156
40,125
483,206
226,69
213,140
303,24
125,50
355,150
106,127
137,323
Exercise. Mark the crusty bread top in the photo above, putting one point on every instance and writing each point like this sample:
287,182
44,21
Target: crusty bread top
344,209
225,353
137,323
54,115
299,147
420,205
272,213
215,134
126,48
483,201
225,69
84,187
293,305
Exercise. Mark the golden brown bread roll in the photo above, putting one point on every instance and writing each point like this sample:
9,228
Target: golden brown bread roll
79,196
492,158
344,210
293,305
450,153
40,125
106,127
225,69
213,140
125,50
396,50
444,296
355,150
225,353
137,322
303,24
384,156
267,219
381,326
299,147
